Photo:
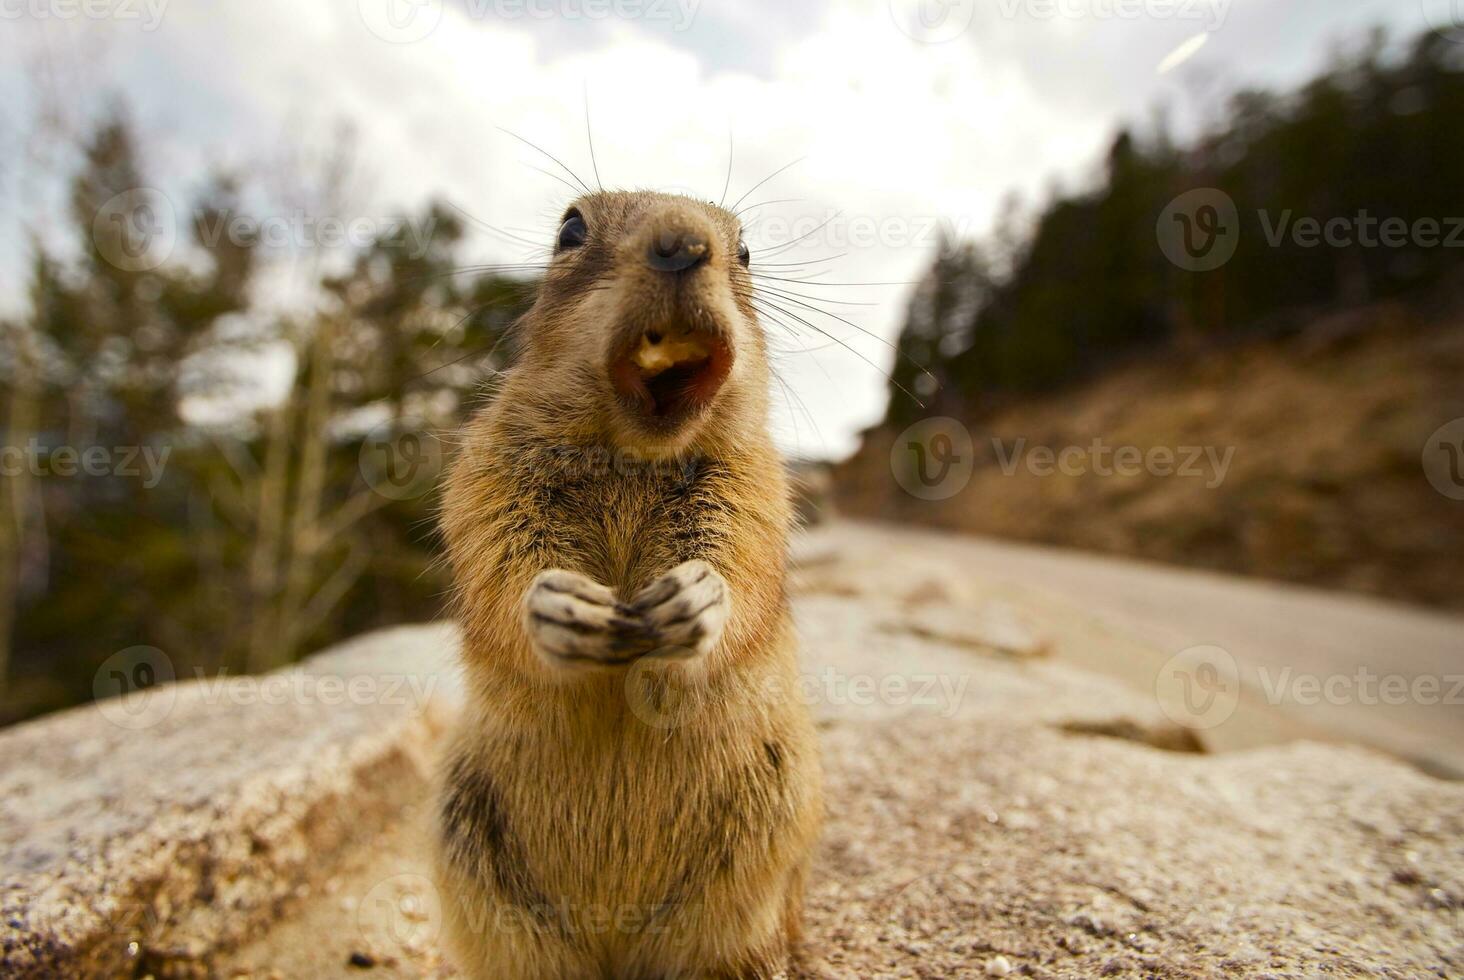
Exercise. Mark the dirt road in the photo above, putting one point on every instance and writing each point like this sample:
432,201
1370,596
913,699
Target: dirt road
1354,668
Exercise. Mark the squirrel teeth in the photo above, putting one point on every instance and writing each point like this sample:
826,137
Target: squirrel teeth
658,352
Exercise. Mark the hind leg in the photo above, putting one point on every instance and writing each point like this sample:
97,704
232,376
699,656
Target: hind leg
766,967
491,940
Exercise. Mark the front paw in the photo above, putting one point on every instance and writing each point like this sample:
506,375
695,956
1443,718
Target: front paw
573,621
685,610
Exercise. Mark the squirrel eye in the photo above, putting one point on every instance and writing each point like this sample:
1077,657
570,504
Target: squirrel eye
573,232
744,254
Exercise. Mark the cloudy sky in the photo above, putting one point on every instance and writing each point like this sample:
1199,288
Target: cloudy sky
904,114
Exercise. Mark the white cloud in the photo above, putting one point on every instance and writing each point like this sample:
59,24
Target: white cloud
896,133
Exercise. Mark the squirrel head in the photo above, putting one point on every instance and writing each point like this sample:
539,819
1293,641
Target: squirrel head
644,333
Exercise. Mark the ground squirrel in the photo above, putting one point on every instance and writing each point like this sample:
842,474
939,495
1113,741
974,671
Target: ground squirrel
634,790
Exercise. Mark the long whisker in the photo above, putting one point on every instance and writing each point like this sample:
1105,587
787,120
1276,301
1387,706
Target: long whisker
727,184
472,353
791,396
868,333
802,347
764,181
590,136
788,294
550,173
483,270
496,231
776,265
814,282
551,156
842,343
784,246
763,204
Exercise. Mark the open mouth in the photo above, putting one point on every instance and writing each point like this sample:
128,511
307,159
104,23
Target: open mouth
669,373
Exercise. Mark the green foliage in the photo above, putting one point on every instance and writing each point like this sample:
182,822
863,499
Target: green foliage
1090,283
261,538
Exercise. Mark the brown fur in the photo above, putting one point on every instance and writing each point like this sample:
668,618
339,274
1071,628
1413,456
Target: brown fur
651,816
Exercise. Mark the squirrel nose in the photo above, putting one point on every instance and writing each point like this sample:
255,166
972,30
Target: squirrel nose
676,251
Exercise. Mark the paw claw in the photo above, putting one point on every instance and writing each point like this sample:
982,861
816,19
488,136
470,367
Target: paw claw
574,621
687,607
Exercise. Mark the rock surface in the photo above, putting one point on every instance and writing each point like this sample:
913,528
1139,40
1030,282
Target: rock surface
991,812
144,835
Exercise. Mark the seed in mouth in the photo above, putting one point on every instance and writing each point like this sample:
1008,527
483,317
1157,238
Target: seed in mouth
659,352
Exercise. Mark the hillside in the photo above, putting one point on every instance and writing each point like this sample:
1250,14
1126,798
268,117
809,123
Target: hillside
1311,470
